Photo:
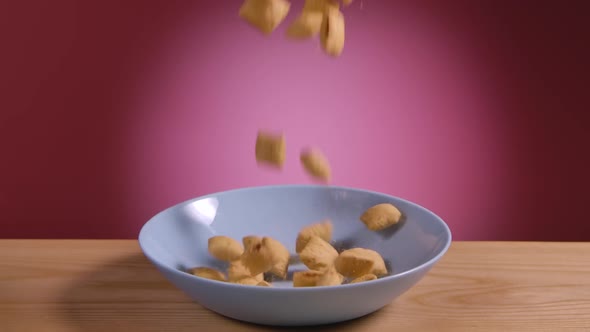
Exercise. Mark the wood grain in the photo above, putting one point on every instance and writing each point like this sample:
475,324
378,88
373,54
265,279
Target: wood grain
108,285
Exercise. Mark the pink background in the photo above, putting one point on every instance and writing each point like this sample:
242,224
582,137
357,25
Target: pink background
111,111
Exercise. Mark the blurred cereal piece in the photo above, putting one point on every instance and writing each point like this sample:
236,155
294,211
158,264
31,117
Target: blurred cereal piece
332,32
270,149
363,278
309,22
265,15
316,164
237,271
248,281
208,273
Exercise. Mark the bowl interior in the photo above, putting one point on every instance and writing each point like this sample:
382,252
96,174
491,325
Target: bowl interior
177,237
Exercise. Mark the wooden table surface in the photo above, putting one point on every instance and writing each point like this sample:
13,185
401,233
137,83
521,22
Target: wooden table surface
108,285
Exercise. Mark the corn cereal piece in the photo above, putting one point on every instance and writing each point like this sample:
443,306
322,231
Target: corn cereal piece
306,278
353,263
330,277
332,32
346,2
363,278
237,270
265,15
209,273
357,262
319,5
279,255
250,240
379,268
257,258
270,149
316,164
264,283
381,216
322,229
306,25
224,248
248,281
318,254
309,22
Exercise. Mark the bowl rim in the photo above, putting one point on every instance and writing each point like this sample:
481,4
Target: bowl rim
383,280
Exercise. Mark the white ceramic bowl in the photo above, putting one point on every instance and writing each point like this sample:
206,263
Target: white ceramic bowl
176,239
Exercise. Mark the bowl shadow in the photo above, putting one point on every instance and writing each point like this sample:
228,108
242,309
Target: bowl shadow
129,294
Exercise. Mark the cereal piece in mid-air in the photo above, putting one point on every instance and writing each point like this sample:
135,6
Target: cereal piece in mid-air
330,277
322,229
279,256
207,272
332,32
224,248
306,25
306,278
270,149
381,216
318,254
237,270
346,2
363,278
316,164
265,15
309,22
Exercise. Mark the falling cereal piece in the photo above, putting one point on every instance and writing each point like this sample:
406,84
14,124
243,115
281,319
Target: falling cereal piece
316,164
265,15
270,149
381,216
309,22
332,32
305,26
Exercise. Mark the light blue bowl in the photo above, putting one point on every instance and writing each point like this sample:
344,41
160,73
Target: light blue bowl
176,239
